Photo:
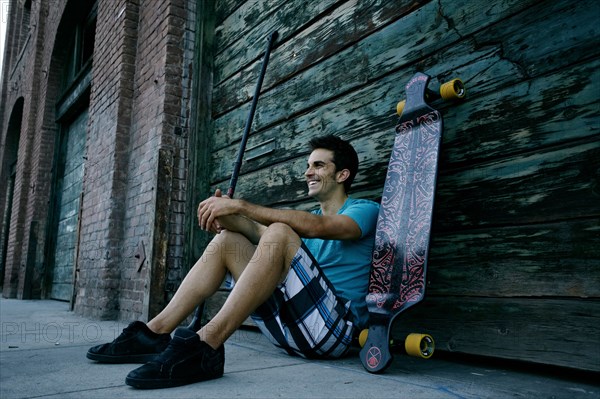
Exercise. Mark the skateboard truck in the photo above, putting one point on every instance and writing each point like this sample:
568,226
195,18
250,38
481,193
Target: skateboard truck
378,358
452,90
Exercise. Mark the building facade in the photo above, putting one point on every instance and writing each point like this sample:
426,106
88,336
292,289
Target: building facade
96,104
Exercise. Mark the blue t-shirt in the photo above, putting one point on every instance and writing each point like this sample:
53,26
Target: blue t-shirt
347,263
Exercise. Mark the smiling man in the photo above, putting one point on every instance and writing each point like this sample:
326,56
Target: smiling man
302,276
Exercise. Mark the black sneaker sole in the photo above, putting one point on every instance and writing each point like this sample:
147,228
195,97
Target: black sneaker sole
167,383
115,359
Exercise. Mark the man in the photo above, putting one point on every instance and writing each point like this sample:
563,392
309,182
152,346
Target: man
302,277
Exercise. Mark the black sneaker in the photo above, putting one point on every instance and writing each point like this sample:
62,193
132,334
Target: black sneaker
186,360
136,344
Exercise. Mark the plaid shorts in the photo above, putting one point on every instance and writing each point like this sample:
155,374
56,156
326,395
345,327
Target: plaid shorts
304,316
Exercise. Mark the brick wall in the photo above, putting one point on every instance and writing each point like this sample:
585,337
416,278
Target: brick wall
105,181
21,72
157,164
150,103
136,158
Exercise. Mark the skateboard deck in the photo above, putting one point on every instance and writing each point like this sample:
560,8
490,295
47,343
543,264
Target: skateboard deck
399,264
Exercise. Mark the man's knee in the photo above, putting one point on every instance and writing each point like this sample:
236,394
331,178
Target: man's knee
281,232
281,238
227,236
229,245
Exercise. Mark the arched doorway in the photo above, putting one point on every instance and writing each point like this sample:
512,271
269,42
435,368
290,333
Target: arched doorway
70,155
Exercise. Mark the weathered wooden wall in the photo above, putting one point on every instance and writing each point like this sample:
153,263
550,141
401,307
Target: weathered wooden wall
515,255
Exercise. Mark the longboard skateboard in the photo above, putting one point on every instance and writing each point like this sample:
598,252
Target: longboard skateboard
399,265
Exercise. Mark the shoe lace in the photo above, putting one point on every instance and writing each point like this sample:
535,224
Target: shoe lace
128,331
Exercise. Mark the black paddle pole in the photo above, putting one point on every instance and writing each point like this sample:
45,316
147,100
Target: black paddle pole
196,323
238,163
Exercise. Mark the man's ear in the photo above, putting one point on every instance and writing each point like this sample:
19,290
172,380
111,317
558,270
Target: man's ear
342,175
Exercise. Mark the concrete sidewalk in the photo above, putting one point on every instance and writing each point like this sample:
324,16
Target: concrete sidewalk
43,347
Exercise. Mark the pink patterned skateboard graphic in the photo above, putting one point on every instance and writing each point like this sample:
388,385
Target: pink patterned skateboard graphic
404,223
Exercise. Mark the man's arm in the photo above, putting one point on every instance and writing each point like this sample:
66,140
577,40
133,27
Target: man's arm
306,224
240,224
232,222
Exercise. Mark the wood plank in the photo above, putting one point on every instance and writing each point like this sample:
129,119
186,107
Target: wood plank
200,122
224,8
368,111
371,58
528,116
154,295
561,183
557,33
552,259
242,20
540,111
290,17
342,27
531,188
550,331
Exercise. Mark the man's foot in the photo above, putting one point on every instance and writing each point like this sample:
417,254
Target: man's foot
136,344
186,360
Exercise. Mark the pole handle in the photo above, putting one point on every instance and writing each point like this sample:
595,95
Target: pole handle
238,163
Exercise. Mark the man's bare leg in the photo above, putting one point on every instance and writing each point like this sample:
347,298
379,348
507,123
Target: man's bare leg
189,358
255,282
226,252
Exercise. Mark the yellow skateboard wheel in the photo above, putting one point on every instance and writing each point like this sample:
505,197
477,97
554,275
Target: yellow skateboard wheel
400,107
419,345
362,337
364,334
453,89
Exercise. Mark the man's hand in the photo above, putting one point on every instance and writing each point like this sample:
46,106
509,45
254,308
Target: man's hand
212,208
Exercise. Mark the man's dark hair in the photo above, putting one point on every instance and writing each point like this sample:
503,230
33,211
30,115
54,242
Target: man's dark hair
344,155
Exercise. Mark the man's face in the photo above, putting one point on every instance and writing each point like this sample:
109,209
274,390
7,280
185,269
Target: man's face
320,174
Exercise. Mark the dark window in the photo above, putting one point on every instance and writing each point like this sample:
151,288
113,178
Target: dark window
81,48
